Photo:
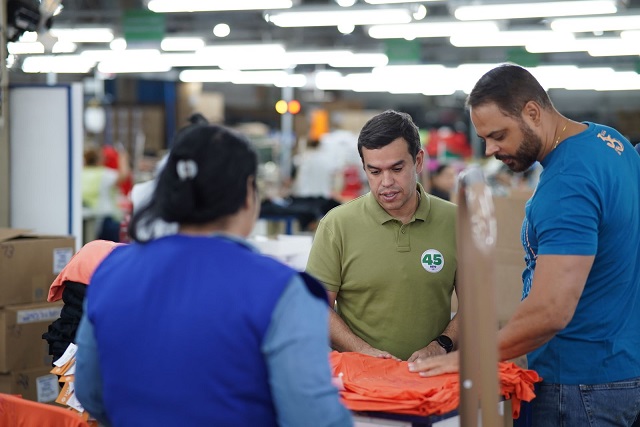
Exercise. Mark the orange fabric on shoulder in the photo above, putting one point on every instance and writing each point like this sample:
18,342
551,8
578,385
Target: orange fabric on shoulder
375,384
81,266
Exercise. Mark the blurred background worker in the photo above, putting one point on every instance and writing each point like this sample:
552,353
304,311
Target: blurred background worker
101,191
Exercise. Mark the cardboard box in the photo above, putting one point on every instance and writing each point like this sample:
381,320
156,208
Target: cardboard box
29,263
21,329
33,384
508,255
509,212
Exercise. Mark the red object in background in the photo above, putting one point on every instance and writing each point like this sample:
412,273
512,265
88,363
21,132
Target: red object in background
453,143
110,159
352,184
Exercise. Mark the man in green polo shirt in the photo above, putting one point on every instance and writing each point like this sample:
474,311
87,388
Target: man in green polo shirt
388,258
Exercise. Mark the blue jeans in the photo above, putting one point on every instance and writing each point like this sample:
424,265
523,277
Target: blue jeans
596,405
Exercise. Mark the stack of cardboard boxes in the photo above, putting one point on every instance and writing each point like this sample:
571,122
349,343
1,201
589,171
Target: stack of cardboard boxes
28,265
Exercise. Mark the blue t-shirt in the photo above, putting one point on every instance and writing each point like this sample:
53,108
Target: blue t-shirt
588,203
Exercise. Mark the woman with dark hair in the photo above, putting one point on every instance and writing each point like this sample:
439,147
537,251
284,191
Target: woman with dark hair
196,328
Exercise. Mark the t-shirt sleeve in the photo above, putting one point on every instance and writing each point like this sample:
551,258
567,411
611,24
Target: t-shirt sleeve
567,217
325,258
297,353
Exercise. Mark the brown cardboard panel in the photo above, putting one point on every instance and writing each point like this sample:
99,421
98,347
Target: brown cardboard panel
509,213
508,286
33,384
21,329
29,263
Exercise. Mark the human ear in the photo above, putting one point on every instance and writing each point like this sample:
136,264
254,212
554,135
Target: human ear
531,112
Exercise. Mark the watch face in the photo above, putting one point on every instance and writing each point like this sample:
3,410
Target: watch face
445,342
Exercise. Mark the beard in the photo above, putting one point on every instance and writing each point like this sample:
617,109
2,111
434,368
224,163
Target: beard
527,153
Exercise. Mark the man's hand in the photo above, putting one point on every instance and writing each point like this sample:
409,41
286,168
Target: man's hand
433,349
378,353
433,366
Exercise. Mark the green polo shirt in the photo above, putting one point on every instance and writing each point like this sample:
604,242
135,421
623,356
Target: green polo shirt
394,281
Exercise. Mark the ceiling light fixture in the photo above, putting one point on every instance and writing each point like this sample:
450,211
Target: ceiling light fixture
181,43
83,35
166,6
360,60
508,38
597,23
57,64
400,1
22,48
535,9
432,28
221,30
346,28
324,17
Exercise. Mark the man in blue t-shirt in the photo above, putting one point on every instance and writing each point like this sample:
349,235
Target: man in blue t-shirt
579,320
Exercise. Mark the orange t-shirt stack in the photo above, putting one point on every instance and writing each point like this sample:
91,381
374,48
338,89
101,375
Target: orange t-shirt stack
386,385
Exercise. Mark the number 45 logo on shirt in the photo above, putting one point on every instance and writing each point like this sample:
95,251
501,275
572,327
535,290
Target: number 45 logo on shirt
432,260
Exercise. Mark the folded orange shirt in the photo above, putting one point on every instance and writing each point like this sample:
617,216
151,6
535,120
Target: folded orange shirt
375,384
81,267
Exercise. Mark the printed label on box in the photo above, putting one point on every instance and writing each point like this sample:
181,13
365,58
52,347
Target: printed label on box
47,388
61,257
38,315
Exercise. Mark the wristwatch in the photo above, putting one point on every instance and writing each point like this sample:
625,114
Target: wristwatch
445,342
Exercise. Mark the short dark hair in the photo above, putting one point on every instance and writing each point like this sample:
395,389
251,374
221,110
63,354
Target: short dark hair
510,87
204,179
386,127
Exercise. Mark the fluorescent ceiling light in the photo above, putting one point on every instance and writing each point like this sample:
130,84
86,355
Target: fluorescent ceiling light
181,43
617,47
190,60
431,29
22,48
626,80
597,23
209,76
346,28
321,17
357,60
630,35
508,38
317,56
83,35
98,55
242,49
535,9
165,6
400,1
221,30
138,65
64,47
29,36
118,44
552,46
57,64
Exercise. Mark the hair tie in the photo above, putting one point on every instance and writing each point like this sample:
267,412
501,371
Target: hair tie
187,169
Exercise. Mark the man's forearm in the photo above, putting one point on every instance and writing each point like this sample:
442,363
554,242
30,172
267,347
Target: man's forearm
452,331
342,338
